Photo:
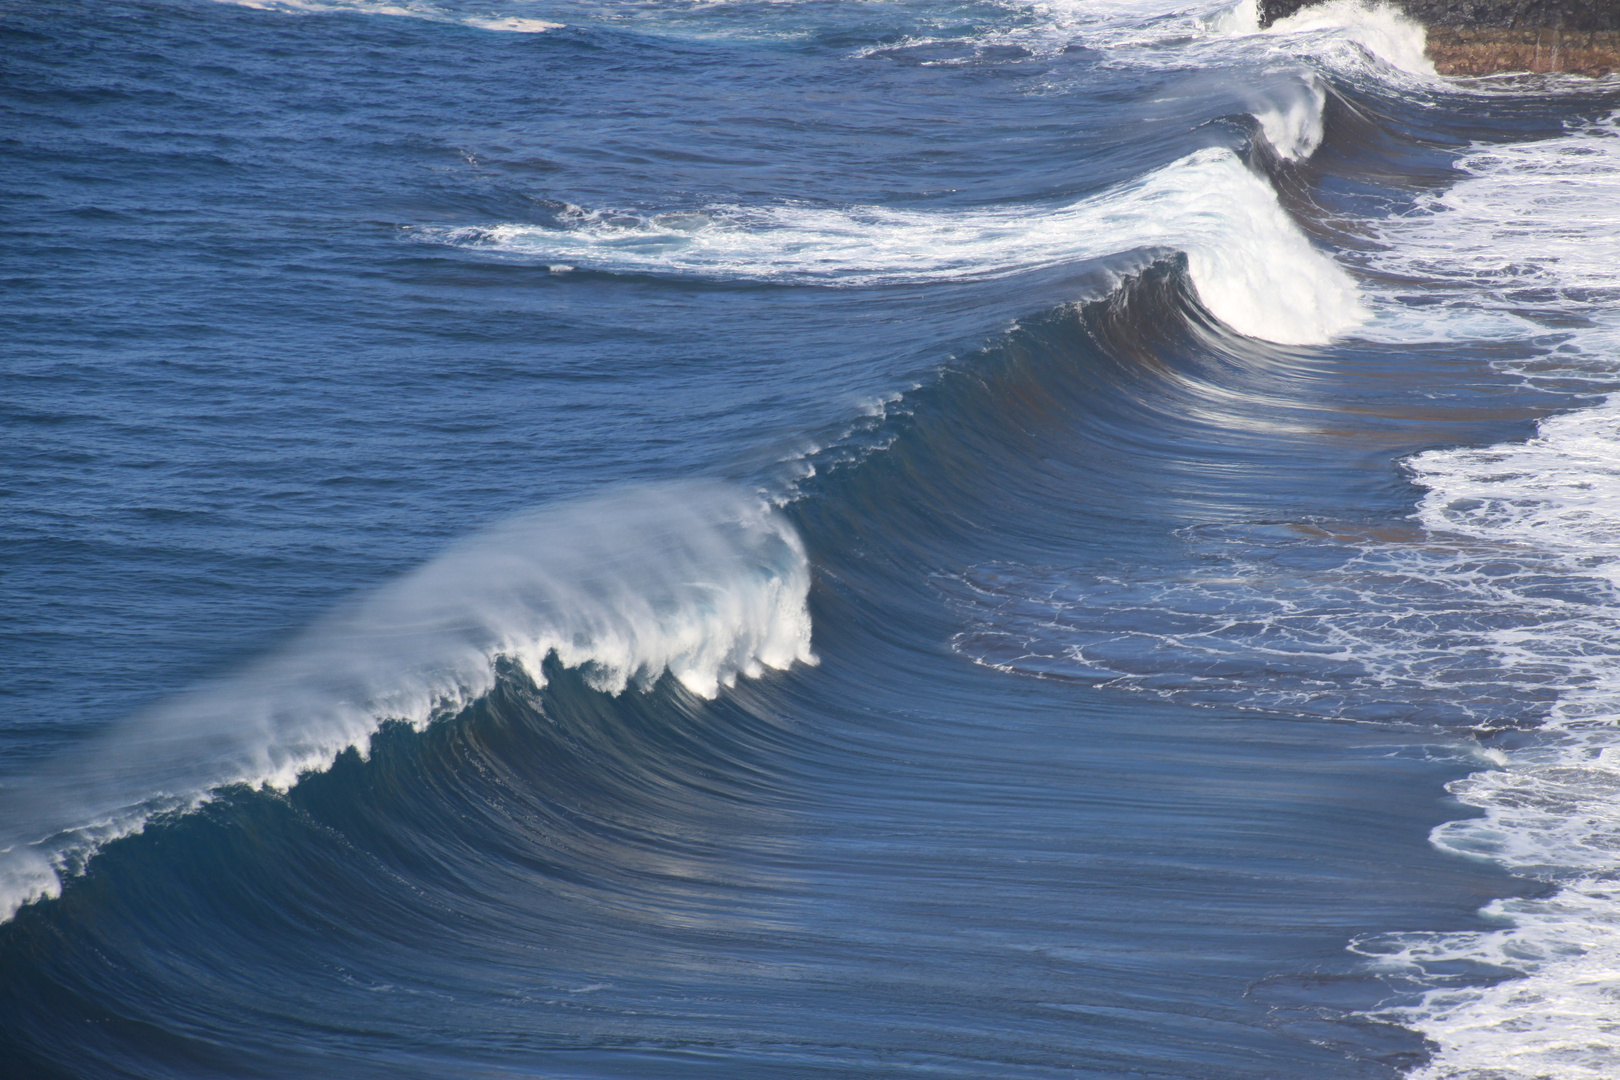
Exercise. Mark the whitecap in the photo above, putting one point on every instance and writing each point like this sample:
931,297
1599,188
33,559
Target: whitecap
1252,266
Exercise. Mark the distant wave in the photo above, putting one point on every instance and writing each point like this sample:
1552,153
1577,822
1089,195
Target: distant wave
487,20
1251,264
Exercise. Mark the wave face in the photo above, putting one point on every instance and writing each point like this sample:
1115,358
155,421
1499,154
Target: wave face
440,433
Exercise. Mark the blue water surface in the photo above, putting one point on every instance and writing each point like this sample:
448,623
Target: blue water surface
257,361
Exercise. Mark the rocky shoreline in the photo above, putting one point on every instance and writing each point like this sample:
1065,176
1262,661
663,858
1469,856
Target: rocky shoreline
1489,37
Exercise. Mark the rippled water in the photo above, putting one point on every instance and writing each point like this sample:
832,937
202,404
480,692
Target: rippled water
802,539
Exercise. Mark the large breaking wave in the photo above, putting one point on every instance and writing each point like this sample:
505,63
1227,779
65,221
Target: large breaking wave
693,581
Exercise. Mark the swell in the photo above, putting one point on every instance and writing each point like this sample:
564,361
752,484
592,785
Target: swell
552,816
1251,264
684,586
1175,357
537,824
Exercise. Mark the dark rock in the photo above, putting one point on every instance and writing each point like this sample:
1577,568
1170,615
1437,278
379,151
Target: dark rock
1487,50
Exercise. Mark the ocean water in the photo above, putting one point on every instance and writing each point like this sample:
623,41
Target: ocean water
792,538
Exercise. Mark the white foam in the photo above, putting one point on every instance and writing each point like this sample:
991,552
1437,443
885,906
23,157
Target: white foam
1529,231
1380,29
513,24
1252,266
1241,19
691,580
1551,810
1556,1021
1559,491
1533,231
1291,118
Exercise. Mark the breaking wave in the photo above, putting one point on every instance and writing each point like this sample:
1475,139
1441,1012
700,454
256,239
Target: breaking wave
692,581
1251,264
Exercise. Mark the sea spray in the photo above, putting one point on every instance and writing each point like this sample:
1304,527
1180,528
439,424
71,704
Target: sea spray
1381,30
1291,118
690,580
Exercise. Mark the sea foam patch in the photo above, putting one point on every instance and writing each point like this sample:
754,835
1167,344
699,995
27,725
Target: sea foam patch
1550,810
1531,234
1527,233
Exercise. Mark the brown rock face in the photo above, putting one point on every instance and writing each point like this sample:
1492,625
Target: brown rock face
1486,50
1484,37
1499,14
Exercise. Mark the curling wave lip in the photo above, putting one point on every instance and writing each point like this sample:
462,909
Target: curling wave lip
1250,263
691,580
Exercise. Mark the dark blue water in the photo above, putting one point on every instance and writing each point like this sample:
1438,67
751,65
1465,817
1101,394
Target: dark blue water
814,539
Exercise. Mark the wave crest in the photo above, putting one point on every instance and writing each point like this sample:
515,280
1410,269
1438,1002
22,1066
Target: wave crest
692,580
1252,266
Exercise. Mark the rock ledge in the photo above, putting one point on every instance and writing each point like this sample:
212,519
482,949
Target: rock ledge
1487,37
